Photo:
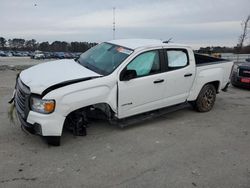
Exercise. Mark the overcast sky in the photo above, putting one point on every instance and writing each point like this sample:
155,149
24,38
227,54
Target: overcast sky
194,22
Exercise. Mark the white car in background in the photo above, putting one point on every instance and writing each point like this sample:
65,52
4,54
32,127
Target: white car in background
39,55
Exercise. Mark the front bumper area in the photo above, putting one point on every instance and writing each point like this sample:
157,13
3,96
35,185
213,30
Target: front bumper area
31,128
42,124
33,122
51,124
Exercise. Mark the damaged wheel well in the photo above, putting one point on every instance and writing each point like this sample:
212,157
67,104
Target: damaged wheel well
78,120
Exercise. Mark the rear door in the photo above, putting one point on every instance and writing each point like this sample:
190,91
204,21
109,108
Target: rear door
179,76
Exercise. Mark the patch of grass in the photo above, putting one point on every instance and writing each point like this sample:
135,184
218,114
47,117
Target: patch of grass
11,113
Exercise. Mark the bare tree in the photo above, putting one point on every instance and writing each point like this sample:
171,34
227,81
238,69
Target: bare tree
243,36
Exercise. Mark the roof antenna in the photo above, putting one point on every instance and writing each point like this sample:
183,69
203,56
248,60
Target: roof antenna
113,23
168,41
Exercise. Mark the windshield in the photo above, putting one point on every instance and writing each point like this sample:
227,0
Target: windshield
104,58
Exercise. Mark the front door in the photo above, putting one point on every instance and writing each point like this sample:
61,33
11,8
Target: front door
145,91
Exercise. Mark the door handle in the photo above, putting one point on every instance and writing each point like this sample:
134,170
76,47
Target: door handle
188,74
158,81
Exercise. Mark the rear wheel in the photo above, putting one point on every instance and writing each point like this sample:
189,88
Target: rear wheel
53,140
206,98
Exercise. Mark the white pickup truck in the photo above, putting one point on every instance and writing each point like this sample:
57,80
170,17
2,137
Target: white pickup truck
122,81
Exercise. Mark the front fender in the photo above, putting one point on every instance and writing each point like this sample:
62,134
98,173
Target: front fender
79,95
80,99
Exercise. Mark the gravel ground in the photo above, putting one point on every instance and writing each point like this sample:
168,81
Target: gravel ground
180,149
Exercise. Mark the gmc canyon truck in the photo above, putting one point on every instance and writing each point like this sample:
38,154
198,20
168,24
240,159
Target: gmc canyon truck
121,81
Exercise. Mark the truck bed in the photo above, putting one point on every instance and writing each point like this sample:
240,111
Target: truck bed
201,60
210,69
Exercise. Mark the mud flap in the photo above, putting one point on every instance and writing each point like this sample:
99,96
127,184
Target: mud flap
226,87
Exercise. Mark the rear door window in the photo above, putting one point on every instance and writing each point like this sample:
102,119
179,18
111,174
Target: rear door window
176,59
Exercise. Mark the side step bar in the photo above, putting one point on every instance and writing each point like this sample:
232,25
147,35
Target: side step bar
149,115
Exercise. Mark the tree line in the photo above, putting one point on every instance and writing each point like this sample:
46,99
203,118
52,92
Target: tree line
19,44
239,48
218,49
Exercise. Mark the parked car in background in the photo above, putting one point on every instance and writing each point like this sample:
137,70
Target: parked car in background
8,54
48,55
67,55
17,53
25,53
2,54
77,55
39,55
59,55
74,55
240,76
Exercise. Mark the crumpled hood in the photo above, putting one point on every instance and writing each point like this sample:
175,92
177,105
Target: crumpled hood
42,76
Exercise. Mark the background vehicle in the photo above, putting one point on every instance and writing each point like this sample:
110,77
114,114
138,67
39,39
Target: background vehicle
122,81
241,75
59,55
3,54
39,55
8,54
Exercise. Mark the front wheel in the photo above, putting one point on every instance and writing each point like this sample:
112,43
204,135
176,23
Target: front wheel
206,98
53,140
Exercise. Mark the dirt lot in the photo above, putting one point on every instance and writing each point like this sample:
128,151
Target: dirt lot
181,149
15,61
10,63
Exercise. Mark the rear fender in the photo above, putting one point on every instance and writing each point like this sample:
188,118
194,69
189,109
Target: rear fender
213,75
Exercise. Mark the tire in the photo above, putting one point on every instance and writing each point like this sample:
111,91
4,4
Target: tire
206,98
53,140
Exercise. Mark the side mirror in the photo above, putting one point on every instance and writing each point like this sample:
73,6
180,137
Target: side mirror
128,75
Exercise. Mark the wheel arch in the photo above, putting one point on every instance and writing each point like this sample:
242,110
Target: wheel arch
103,106
195,92
216,84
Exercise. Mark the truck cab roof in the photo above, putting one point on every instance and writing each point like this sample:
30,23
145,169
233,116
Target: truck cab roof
143,43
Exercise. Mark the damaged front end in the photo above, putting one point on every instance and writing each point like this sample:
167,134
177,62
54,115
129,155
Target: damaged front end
77,123
21,102
79,120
